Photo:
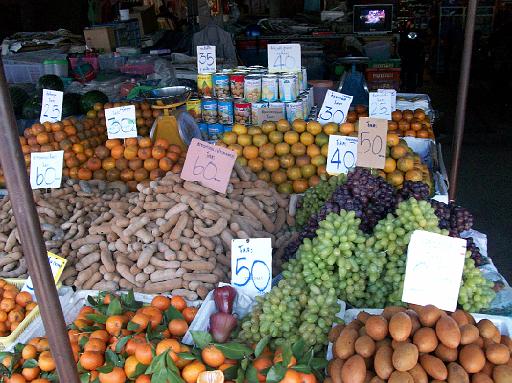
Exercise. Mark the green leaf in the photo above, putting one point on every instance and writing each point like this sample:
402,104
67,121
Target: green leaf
201,339
83,340
240,375
98,318
51,376
287,354
19,348
170,364
234,350
251,374
171,313
157,363
298,348
318,363
302,368
111,357
261,346
276,373
92,301
31,363
139,370
160,376
121,343
245,363
175,377
230,373
130,302
114,308
84,378
132,326
107,368
186,356
3,354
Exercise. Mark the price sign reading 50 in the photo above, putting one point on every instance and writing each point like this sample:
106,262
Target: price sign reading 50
251,265
334,108
51,106
371,150
341,155
121,122
46,169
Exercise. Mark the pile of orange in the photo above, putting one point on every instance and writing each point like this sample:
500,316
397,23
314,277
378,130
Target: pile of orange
14,307
410,123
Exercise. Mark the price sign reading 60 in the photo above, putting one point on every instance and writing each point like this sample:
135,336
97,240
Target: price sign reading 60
251,265
121,122
46,169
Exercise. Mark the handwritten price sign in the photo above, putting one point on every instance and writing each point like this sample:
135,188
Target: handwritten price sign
251,265
269,114
121,122
46,169
371,151
391,92
209,165
341,155
206,59
51,108
334,108
380,105
284,58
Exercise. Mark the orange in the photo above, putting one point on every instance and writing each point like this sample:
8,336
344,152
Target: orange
238,149
307,378
291,376
212,356
170,345
275,137
130,366
130,152
94,344
154,314
46,361
291,137
314,127
261,364
144,153
162,142
255,164
278,357
145,142
298,149
267,151
117,152
215,376
117,375
15,316
41,380
393,139
330,128
250,152
191,372
114,324
282,148
189,313
7,304
180,363
141,320
165,164
89,360
17,378
29,352
346,128
178,327
144,353
100,334
158,152
307,138
30,373
132,344
390,165
23,298
150,164
143,379
178,303
313,150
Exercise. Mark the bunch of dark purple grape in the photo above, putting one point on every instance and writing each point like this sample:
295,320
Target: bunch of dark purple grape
479,259
413,189
454,218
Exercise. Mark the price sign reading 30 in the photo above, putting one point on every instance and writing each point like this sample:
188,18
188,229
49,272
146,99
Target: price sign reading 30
121,122
51,106
341,155
46,169
251,265
334,108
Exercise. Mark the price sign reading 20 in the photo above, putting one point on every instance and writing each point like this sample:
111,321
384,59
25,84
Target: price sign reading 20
251,265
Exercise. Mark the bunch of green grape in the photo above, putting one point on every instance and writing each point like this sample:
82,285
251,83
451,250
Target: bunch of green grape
476,292
315,197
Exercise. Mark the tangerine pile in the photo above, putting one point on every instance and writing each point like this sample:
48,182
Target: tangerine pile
14,307
410,123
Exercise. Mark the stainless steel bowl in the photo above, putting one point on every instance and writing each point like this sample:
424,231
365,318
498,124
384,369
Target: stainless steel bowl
168,96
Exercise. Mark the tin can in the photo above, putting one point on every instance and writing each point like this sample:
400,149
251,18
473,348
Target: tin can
311,97
252,88
294,111
236,82
193,107
209,110
205,84
227,128
254,110
242,112
215,131
225,111
269,88
221,85
299,81
203,128
305,106
287,92
304,78
278,104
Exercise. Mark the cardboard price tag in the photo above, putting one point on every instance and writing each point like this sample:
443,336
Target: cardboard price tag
284,58
380,105
208,164
434,269
334,108
51,106
57,265
121,122
341,154
391,92
206,59
269,114
46,169
372,136
251,265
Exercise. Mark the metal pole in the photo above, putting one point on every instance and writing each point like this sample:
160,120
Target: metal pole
29,230
460,113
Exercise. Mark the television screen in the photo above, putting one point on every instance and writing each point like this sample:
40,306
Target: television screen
373,18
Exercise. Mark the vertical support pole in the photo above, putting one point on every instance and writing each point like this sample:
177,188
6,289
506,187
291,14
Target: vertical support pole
460,113
29,230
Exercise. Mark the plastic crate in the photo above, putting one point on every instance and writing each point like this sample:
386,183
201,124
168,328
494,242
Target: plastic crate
23,72
380,74
375,85
384,64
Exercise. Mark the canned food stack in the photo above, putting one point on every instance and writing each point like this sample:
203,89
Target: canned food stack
235,95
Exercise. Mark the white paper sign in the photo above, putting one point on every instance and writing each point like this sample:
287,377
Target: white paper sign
434,270
284,58
206,59
334,108
121,122
392,92
46,169
57,265
341,155
51,106
251,265
380,105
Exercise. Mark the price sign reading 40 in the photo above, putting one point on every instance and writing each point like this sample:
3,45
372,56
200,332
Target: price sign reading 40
341,155
46,169
121,122
334,108
372,136
51,106
284,57
251,265
206,59
210,165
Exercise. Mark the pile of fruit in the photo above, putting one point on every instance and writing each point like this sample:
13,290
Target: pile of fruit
15,305
419,345
408,123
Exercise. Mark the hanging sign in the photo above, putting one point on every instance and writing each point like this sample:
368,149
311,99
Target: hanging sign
57,265
206,59
334,108
284,58
372,136
341,154
380,105
51,106
46,169
121,122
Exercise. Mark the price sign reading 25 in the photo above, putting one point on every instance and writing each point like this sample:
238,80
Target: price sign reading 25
251,265
121,122
51,106
371,150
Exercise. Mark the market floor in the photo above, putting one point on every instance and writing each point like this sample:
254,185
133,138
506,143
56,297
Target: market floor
485,170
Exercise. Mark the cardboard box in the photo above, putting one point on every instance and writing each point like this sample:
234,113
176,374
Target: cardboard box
147,19
100,38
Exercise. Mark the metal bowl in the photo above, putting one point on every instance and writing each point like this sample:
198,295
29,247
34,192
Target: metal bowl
168,96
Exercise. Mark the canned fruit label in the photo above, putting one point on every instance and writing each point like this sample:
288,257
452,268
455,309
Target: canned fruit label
236,82
254,109
269,88
221,85
193,107
225,112
252,88
242,111
215,131
287,89
205,85
209,111
294,111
